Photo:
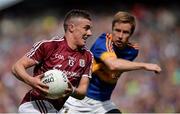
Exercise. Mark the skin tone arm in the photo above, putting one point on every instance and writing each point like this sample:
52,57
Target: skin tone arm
19,70
123,65
80,91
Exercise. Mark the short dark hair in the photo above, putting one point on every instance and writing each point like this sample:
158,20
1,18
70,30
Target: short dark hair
74,14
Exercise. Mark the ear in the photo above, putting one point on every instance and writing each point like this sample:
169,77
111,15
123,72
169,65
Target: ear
71,27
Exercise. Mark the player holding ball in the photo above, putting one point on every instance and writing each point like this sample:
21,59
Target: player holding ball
67,54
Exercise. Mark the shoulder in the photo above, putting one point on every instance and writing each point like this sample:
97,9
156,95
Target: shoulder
103,43
131,52
101,40
53,42
103,37
87,52
133,46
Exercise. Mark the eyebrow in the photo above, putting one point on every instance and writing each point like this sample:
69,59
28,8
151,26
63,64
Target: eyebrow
88,26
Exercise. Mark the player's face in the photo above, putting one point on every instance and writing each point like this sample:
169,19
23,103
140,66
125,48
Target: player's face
82,31
121,33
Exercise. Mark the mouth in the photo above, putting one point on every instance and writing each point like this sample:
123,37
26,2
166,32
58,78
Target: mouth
84,39
119,43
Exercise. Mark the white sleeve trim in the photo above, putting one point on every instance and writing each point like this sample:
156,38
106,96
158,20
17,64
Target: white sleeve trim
86,75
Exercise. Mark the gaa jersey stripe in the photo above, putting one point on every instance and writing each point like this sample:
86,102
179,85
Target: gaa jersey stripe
38,44
43,106
32,49
90,71
38,106
109,42
42,109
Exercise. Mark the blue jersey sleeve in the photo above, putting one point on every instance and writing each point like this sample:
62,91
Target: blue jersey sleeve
99,47
129,53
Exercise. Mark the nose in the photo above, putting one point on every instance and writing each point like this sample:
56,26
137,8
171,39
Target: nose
89,32
121,35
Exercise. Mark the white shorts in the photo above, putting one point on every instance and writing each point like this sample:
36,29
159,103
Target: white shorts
38,106
87,105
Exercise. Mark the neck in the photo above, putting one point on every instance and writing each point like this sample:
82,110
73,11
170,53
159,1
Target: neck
70,41
121,48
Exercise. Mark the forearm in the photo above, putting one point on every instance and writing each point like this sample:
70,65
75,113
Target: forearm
20,72
19,69
80,91
124,65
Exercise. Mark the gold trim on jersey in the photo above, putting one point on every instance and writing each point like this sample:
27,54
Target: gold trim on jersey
96,66
109,46
106,55
100,69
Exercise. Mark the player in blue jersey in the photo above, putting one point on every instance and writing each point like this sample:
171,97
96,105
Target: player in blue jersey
113,55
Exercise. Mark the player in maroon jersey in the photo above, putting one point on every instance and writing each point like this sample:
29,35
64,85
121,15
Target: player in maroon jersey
67,54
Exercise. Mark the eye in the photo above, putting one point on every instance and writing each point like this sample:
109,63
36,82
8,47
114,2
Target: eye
87,27
126,32
117,30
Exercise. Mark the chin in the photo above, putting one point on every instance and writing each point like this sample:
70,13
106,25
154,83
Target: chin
119,45
81,45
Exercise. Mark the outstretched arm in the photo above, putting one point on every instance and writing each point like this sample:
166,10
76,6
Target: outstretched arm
114,63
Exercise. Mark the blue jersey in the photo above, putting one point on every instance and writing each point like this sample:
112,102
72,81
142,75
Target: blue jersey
100,87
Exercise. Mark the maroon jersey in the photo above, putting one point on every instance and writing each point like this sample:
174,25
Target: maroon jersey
56,54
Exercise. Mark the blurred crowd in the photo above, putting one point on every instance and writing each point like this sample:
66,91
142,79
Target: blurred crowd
157,32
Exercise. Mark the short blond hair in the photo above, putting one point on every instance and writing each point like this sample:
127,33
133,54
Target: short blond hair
124,17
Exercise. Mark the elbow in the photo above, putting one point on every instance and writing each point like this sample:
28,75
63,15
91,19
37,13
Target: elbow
113,67
81,97
13,69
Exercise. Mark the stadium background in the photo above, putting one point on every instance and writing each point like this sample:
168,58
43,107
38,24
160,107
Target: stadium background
158,33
